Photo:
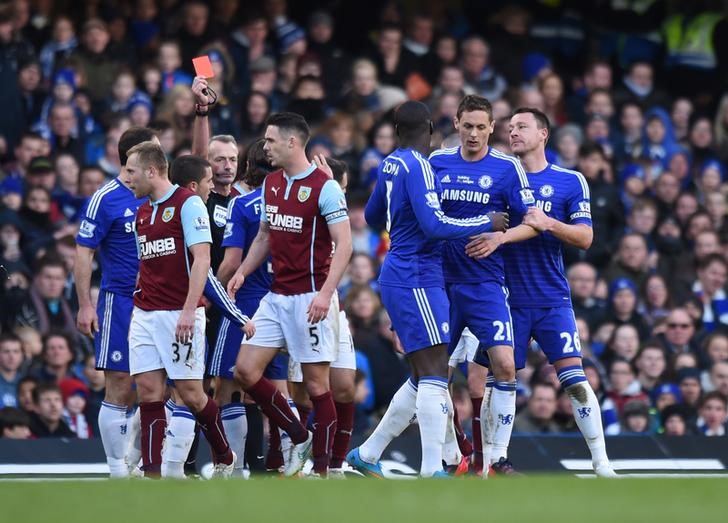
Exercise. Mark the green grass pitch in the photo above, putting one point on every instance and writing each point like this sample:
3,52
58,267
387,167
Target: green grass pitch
560,499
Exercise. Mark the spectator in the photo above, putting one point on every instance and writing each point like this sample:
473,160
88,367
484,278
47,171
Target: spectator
95,60
393,61
623,307
75,395
710,288
57,359
651,365
14,424
631,261
195,32
45,308
169,61
26,387
11,360
538,416
639,86
674,421
719,377
624,343
332,58
657,302
679,331
624,388
62,44
47,420
480,75
688,379
635,418
713,411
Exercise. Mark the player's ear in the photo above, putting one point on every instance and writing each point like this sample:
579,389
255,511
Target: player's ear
432,128
455,123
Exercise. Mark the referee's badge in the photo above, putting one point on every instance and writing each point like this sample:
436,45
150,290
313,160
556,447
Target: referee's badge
168,214
303,193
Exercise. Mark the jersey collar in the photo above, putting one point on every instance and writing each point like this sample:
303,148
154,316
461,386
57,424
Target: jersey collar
167,195
302,175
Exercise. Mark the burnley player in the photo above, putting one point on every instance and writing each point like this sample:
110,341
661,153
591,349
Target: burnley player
303,214
478,179
539,292
166,337
407,196
242,227
107,226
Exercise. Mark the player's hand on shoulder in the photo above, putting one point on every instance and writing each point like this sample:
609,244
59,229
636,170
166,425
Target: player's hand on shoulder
249,329
87,321
234,284
319,307
536,218
499,221
484,244
321,163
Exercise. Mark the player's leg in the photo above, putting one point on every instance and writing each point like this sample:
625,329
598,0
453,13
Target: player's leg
111,347
488,316
316,380
147,368
279,442
452,455
179,436
254,357
232,412
558,337
343,388
185,364
477,375
299,395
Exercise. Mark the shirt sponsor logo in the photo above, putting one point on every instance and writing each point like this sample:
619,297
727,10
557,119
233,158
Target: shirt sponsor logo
284,222
168,214
546,191
463,195
86,230
303,193
485,182
219,214
466,180
271,209
129,227
156,248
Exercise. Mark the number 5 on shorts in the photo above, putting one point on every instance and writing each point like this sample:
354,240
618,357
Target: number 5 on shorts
175,351
313,333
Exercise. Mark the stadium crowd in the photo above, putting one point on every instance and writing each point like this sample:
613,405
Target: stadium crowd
637,96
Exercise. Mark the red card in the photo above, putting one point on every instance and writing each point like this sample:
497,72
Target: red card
203,66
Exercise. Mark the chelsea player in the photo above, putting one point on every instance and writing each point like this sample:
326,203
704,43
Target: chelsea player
412,286
475,179
539,292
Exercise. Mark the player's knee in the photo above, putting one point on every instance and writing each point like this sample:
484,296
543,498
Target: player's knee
343,394
245,376
503,370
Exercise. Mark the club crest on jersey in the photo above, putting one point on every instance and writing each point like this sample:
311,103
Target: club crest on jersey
445,327
546,191
485,182
116,356
303,193
168,214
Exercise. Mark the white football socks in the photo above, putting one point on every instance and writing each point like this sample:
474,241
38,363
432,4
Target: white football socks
114,428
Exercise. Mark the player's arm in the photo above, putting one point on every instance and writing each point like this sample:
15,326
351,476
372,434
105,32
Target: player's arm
230,262
233,241
579,235
257,254
376,212
425,201
200,126
215,292
87,320
578,232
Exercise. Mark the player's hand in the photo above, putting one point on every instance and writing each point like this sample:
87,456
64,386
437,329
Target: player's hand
321,163
484,244
397,344
249,329
234,284
87,321
198,84
536,218
499,221
319,307
185,326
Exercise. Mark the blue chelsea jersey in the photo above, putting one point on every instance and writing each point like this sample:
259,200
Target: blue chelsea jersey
107,225
407,197
242,225
535,268
497,182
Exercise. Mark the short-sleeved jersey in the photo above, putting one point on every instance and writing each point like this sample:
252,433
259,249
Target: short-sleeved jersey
535,268
407,196
242,226
298,210
107,225
165,230
497,182
217,209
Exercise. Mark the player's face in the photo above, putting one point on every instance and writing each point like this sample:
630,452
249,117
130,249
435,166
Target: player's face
276,146
137,178
205,186
474,128
224,159
524,134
